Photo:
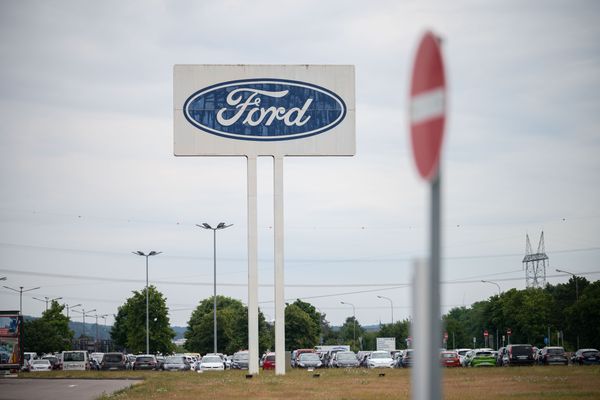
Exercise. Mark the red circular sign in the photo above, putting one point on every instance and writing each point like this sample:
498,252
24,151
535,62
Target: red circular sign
427,106
508,332
485,333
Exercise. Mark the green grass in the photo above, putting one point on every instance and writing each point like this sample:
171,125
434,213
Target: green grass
460,383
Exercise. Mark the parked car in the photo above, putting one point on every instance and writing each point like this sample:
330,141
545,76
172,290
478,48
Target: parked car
160,362
211,362
345,359
500,356
75,360
449,359
269,362
309,360
407,358
461,354
380,359
145,362
586,357
28,357
54,361
113,362
518,354
240,360
94,365
480,358
553,355
40,366
176,363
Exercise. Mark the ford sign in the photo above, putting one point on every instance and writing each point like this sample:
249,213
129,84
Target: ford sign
264,109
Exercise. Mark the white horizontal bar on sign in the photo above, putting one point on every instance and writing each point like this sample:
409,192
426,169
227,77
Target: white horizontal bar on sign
427,105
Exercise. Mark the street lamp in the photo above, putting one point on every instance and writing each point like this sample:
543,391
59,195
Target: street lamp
221,225
68,306
46,300
499,293
150,254
83,314
354,317
21,291
576,293
391,306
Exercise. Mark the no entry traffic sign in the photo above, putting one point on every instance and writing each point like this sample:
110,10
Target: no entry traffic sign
427,106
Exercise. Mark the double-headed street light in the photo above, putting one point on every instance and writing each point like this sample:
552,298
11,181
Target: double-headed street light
354,317
46,300
84,314
21,291
391,306
150,254
68,306
221,225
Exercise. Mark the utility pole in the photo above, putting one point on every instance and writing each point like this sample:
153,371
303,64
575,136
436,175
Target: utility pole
150,254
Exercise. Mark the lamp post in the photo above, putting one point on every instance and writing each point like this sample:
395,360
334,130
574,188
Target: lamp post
150,254
576,293
68,306
46,300
499,293
221,225
354,317
21,291
391,306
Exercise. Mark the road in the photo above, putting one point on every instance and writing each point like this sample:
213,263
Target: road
60,389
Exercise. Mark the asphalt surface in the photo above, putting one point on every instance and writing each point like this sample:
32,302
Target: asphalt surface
60,389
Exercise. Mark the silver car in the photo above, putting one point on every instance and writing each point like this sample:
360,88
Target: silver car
176,363
309,360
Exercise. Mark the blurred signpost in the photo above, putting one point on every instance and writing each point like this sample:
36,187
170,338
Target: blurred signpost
427,118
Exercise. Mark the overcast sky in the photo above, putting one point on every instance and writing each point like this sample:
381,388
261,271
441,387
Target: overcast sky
88,173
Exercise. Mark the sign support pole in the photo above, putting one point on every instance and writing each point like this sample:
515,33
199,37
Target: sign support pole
279,281
253,366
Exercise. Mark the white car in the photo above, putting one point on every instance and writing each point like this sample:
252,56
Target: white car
211,363
40,366
461,355
380,359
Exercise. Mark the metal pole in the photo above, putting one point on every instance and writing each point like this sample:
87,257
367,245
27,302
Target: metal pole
576,294
215,290
147,311
279,270
253,365
391,306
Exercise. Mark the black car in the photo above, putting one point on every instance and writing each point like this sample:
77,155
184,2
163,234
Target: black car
554,355
147,362
113,361
586,357
519,354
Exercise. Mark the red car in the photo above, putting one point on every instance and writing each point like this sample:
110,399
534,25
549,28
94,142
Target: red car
449,359
269,362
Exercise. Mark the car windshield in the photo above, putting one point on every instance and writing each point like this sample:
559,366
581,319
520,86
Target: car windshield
309,357
346,356
270,357
41,362
144,359
463,352
556,350
407,353
74,356
211,359
521,350
241,356
483,353
589,353
380,355
449,355
175,360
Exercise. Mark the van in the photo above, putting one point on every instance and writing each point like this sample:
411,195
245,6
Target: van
76,360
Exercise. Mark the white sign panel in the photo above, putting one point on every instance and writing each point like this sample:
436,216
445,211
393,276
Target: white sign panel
385,343
264,110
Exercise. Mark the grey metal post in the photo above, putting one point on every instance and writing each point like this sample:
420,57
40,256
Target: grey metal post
215,291
391,306
20,291
147,311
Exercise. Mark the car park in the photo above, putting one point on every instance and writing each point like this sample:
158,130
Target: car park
380,359
176,363
309,360
40,366
211,362
449,359
553,355
586,357
518,354
345,359
145,362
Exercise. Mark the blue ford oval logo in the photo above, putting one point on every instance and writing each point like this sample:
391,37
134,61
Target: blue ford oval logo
264,109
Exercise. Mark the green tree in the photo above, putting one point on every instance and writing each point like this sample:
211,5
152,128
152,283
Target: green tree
129,330
584,317
232,327
50,333
350,333
398,330
301,331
